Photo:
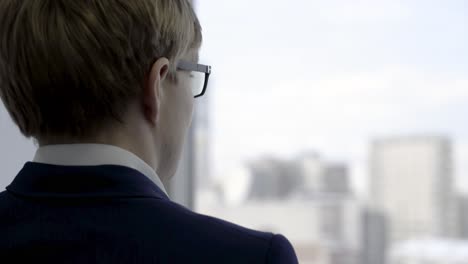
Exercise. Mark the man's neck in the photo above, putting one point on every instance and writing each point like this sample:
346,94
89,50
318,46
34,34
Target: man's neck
134,144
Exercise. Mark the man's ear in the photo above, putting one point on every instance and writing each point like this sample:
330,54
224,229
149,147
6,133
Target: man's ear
152,90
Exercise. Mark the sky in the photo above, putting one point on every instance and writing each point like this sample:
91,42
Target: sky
332,75
326,75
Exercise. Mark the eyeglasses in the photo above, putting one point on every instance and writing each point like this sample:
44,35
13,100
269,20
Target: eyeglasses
200,75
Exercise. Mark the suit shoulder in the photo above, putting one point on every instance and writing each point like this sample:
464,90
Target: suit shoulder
228,239
281,251
5,200
268,248
215,225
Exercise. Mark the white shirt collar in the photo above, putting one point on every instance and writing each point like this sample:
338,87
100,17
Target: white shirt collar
93,155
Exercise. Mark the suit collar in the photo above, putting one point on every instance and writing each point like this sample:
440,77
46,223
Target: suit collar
45,180
93,155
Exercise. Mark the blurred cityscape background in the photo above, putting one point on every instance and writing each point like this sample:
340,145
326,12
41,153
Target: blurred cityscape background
340,124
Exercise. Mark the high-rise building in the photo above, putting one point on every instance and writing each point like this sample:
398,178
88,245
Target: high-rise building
340,227
321,176
335,178
308,175
462,205
272,179
374,237
311,168
412,184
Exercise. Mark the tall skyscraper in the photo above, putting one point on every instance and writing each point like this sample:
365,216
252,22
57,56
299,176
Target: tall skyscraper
412,184
462,205
374,237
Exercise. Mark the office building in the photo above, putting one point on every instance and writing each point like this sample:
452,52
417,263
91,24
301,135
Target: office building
272,178
412,184
321,176
374,237
335,179
462,205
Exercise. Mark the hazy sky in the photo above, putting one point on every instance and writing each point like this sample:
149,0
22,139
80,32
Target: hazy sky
326,75
331,75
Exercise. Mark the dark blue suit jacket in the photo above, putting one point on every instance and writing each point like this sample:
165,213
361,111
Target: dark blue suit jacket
114,214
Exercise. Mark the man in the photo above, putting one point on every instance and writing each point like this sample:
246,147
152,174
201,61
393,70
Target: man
106,88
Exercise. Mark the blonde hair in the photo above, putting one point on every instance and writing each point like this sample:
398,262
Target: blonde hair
69,66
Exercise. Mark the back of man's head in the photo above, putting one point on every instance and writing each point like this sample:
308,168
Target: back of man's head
71,67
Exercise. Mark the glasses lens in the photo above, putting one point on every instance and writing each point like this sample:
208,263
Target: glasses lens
197,82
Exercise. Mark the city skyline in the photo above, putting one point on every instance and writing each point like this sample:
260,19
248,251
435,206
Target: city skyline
413,200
